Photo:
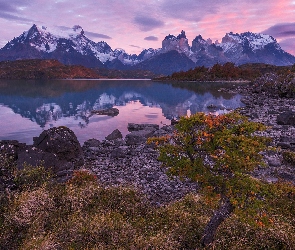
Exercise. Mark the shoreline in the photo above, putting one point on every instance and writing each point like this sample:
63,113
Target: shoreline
118,161
197,81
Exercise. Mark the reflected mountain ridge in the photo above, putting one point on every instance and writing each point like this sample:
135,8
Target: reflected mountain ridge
70,103
44,102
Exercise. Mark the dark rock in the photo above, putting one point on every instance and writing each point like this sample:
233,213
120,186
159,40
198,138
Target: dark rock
286,142
35,157
273,161
136,127
91,143
60,149
174,122
286,118
118,153
284,145
116,134
287,176
109,112
212,106
138,137
61,141
160,132
119,142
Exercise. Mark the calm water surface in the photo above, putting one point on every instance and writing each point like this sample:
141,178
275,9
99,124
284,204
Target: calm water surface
29,107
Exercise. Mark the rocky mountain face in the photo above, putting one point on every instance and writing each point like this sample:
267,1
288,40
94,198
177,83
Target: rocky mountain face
254,48
71,46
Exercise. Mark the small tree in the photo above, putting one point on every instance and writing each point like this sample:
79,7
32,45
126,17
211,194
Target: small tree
218,152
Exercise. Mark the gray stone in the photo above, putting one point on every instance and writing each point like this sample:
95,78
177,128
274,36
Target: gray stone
286,118
63,142
92,143
136,127
116,134
138,137
108,112
273,161
118,153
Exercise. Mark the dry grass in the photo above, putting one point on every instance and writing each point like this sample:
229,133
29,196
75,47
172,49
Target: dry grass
85,215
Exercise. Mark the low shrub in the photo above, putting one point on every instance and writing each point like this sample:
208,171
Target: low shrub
31,177
289,157
90,216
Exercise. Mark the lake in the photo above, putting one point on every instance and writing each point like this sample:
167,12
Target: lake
29,107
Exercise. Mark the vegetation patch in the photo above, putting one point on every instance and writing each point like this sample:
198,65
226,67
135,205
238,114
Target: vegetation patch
289,157
81,214
218,152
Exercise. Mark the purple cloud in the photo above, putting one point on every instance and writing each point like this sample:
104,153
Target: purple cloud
135,46
151,38
97,35
9,10
12,5
281,30
13,17
88,33
147,23
190,10
5,7
288,45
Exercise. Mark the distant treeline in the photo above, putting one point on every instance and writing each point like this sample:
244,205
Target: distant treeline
126,73
227,72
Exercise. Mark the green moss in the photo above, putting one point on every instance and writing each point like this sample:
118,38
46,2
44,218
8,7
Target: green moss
31,177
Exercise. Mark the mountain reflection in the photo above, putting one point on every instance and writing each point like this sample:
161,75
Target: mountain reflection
46,101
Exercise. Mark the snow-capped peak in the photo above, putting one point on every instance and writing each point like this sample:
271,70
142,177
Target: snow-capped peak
61,32
255,41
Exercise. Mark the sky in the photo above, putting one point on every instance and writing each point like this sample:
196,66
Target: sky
134,25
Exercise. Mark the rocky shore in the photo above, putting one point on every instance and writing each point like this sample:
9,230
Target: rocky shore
266,103
130,161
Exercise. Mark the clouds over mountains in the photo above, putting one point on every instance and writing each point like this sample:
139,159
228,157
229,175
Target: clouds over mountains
141,23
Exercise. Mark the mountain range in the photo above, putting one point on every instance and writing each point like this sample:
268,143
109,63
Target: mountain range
72,46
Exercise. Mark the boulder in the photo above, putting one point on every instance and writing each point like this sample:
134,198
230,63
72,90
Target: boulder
136,127
286,118
286,142
60,141
35,157
116,134
118,153
58,148
138,137
109,112
92,143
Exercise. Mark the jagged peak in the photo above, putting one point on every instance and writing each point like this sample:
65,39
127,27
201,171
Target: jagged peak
58,32
250,36
170,37
255,41
78,28
198,38
181,35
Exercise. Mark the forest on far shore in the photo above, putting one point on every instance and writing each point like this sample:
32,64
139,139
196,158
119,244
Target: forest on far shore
228,72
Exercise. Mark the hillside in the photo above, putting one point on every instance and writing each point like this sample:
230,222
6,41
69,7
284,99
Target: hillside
43,69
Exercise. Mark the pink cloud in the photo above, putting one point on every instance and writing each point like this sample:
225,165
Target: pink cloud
117,19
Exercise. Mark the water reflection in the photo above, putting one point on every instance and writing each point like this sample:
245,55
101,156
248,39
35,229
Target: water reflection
38,105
